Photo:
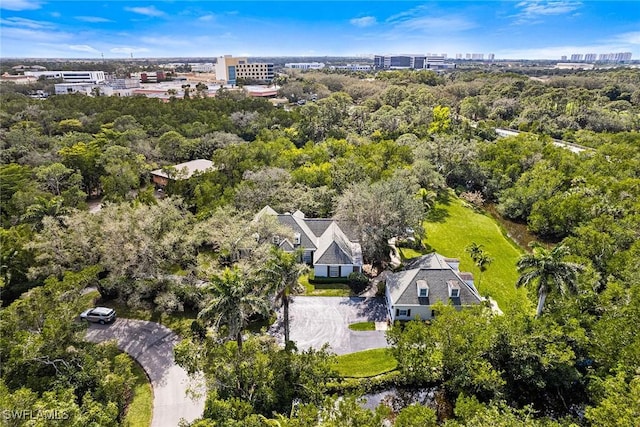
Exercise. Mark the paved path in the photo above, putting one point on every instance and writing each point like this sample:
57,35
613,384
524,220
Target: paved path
151,344
575,148
319,320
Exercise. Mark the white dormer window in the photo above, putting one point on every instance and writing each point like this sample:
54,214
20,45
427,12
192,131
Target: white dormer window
275,240
423,288
296,238
454,289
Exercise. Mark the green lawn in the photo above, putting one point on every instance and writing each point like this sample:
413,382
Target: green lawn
363,326
140,410
364,364
452,226
328,289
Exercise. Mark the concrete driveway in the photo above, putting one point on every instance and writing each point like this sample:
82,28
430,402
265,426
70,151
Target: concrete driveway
319,320
151,344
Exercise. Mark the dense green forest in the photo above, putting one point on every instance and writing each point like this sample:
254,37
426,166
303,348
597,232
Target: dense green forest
378,152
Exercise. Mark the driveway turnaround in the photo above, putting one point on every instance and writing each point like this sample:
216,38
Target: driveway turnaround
151,345
319,320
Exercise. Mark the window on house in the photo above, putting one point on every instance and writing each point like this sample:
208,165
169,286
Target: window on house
296,238
402,312
334,271
455,293
306,257
424,292
275,240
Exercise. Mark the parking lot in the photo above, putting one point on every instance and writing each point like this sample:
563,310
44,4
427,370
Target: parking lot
319,320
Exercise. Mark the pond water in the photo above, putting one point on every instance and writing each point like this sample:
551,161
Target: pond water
398,398
517,231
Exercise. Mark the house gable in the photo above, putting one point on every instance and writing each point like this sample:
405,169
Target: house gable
432,272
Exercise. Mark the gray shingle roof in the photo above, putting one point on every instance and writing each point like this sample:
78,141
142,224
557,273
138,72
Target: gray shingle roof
334,247
318,225
403,287
286,246
433,260
298,226
324,236
334,254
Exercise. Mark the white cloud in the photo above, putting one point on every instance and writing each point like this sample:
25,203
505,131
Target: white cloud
365,21
165,41
83,48
17,5
546,8
207,18
26,23
56,14
147,11
531,11
33,36
92,19
632,37
423,19
128,50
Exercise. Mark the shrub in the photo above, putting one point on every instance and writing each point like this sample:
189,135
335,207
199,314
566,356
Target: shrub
381,288
358,281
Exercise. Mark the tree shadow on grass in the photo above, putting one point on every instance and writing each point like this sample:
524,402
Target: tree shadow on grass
437,214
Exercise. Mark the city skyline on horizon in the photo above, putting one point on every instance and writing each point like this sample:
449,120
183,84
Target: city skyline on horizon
207,29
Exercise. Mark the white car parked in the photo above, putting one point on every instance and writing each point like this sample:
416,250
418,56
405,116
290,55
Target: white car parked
100,315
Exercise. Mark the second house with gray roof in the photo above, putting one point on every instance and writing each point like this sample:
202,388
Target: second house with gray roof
324,244
426,281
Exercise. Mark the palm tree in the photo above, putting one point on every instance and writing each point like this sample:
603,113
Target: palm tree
549,270
234,298
479,257
474,250
281,273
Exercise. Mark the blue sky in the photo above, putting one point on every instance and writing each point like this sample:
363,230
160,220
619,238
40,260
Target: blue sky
510,29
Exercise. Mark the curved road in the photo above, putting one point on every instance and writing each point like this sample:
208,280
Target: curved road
151,344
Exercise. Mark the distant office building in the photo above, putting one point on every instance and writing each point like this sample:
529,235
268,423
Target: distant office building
305,65
398,62
563,58
18,79
24,68
623,56
590,57
576,57
90,89
410,62
118,84
615,57
458,56
202,68
352,67
574,66
468,56
477,56
491,57
437,63
149,76
230,69
70,76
